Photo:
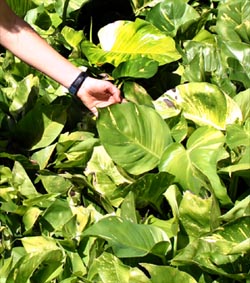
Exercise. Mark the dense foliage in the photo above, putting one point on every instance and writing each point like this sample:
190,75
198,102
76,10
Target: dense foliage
153,190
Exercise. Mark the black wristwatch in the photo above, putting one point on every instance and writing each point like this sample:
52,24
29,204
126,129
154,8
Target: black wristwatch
74,87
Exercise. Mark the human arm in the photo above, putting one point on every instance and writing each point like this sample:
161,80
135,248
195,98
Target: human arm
18,37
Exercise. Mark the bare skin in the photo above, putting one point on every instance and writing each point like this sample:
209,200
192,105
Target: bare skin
19,38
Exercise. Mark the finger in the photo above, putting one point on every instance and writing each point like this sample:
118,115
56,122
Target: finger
94,111
116,94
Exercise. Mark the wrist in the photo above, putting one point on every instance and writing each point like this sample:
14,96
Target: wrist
77,83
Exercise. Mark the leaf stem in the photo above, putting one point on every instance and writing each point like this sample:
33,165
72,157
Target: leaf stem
175,246
233,187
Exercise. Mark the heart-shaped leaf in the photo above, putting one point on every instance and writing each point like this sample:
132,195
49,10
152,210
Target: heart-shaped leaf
135,136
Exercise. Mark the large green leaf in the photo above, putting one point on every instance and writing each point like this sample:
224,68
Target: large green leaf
233,20
109,269
170,16
205,104
142,40
163,274
128,239
192,167
135,136
237,56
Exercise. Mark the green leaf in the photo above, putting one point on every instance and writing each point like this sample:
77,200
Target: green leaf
240,209
20,8
38,244
173,196
75,149
109,269
242,167
105,175
148,189
205,62
43,20
22,182
238,140
128,239
139,5
217,252
31,263
237,56
139,136
137,94
25,161
243,100
205,104
30,217
77,266
72,36
23,95
198,216
42,156
170,16
192,167
58,213
42,201
170,226
142,40
54,183
238,136
165,107
137,68
74,5
233,20
5,174
101,162
158,274
41,126
128,208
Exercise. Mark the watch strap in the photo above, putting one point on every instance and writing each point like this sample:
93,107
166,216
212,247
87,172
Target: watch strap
74,87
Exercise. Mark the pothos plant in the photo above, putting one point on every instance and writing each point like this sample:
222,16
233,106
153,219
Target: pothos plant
153,190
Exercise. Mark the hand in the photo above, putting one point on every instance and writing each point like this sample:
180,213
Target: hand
95,93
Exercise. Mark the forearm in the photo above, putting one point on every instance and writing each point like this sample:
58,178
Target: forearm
18,37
